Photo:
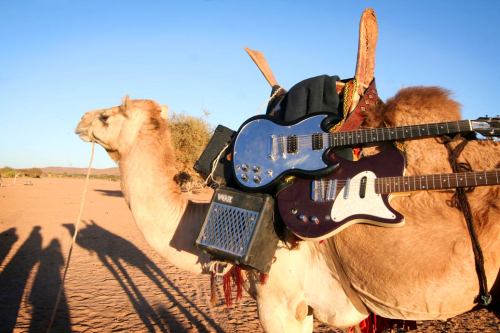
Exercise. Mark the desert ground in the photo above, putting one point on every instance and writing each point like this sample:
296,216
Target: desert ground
115,281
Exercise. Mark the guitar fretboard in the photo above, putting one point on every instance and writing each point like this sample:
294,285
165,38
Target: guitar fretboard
435,182
323,190
319,141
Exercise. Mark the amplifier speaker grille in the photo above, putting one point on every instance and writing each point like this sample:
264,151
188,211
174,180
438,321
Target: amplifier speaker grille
239,228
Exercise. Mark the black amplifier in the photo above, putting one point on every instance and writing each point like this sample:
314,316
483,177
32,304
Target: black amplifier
239,228
222,170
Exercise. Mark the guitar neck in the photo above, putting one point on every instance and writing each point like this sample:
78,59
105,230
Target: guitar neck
373,135
435,182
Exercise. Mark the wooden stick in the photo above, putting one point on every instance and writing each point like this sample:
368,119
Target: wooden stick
261,62
368,34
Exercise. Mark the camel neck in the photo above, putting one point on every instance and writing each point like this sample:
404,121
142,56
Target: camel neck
147,178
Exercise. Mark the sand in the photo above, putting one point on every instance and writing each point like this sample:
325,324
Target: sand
115,281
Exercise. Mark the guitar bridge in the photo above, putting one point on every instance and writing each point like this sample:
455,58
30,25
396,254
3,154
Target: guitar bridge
323,190
317,191
273,148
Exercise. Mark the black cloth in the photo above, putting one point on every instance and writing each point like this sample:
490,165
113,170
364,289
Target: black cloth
313,95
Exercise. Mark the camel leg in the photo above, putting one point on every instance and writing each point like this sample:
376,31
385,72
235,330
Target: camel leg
281,301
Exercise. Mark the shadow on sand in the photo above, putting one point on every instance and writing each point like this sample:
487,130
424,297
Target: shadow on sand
111,193
14,278
7,239
115,252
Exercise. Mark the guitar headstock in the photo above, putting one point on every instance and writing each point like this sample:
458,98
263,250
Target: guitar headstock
487,126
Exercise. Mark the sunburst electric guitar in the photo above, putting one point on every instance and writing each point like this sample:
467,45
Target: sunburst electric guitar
265,150
359,192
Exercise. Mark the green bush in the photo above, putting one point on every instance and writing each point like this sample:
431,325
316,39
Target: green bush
7,172
32,172
190,136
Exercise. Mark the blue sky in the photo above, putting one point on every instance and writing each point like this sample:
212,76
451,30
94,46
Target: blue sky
61,58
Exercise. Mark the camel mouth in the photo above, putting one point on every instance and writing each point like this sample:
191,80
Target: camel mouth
83,134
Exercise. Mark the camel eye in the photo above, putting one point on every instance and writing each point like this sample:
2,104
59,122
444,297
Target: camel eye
103,117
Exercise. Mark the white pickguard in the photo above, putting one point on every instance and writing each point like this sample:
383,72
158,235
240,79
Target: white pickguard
348,202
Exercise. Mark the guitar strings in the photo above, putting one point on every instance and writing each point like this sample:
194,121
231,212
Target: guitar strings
451,128
392,182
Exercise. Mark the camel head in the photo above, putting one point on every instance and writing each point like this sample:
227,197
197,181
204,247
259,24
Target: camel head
117,128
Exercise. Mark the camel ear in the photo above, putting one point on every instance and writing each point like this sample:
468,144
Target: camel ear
164,112
126,101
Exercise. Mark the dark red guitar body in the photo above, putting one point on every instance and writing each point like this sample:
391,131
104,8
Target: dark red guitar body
295,202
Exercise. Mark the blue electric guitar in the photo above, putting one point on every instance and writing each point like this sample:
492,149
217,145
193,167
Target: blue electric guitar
265,149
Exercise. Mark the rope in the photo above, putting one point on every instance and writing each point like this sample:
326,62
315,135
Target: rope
77,224
215,163
266,102
460,201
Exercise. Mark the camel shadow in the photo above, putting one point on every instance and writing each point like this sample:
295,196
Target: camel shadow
111,193
116,253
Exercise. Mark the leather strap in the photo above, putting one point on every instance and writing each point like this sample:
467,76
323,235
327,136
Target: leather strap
369,100
460,201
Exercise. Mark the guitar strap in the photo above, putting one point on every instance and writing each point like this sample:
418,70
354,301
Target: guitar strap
355,118
460,201
352,120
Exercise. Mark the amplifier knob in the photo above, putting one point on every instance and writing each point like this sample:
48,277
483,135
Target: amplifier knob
256,179
314,219
303,218
244,177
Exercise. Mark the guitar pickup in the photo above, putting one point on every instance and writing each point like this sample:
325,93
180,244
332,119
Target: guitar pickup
346,188
317,141
291,144
331,190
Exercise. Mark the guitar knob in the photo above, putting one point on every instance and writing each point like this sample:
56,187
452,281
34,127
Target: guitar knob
256,168
293,211
256,179
303,218
244,167
314,219
244,177
270,172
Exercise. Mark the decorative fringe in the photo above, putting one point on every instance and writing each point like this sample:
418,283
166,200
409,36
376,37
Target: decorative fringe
237,277
213,289
263,278
226,284
377,324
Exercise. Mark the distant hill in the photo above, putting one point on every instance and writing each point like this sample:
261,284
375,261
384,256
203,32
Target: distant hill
69,171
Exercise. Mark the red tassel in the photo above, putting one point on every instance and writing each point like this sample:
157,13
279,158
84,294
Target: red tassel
263,278
377,324
238,280
226,280
213,291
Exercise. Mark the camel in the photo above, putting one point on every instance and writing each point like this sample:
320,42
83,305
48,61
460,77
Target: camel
422,271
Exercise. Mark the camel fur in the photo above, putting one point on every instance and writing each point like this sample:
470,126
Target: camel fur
422,271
